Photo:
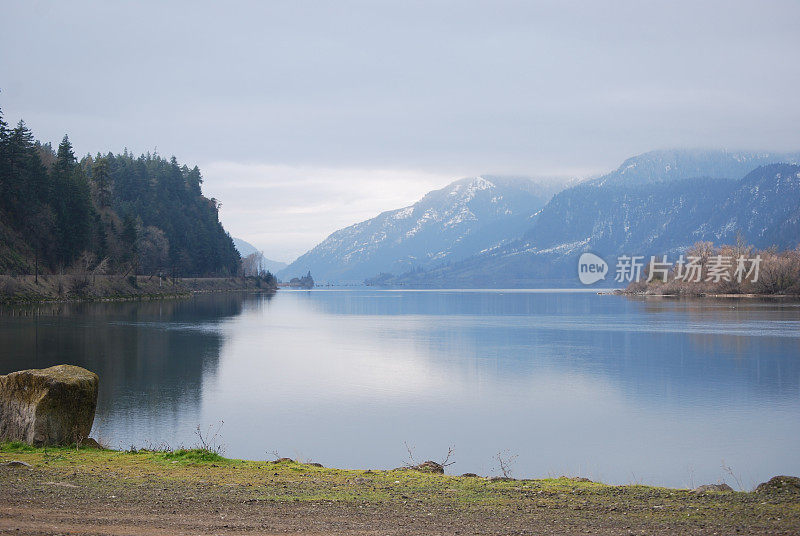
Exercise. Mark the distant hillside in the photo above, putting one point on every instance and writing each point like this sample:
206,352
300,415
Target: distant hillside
637,210
447,225
112,213
612,218
679,164
246,248
764,207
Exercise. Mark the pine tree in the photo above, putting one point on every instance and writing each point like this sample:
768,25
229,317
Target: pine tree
194,179
100,177
71,199
4,159
3,130
129,237
57,209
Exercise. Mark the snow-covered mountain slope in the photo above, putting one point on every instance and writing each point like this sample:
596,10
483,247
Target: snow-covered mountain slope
679,164
764,207
634,210
464,218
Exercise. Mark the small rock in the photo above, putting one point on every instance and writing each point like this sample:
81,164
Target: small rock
576,478
15,463
499,478
429,467
470,475
712,487
90,443
315,464
283,460
780,484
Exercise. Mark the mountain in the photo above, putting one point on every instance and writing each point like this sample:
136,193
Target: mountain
246,248
273,265
680,164
764,207
640,210
460,220
659,216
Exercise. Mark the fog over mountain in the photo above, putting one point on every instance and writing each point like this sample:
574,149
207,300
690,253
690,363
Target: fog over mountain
677,164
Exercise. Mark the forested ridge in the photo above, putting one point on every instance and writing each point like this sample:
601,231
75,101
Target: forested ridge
112,213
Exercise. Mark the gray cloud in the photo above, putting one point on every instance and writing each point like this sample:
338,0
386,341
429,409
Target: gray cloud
287,209
450,88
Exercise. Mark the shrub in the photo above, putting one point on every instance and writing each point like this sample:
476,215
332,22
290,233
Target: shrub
778,273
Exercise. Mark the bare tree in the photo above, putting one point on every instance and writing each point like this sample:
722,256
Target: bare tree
253,264
506,460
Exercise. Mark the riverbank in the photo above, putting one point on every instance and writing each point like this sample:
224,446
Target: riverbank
62,288
197,492
658,294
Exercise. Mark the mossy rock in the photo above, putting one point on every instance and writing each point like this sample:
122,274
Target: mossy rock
52,406
780,484
429,467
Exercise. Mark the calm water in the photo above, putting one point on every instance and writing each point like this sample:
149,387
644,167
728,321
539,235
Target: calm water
606,387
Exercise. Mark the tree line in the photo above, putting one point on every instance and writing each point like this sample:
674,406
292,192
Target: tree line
113,213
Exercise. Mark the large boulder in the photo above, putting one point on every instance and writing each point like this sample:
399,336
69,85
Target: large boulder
52,406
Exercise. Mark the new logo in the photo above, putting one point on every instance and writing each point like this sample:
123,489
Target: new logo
591,268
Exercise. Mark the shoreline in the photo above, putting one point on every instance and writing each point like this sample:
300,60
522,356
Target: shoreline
91,491
23,290
748,296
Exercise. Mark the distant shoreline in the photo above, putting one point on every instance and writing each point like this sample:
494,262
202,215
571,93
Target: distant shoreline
702,295
24,290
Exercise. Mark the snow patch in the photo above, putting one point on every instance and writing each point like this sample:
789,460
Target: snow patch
404,213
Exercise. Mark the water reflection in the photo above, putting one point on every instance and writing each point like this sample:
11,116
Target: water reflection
723,350
608,387
152,357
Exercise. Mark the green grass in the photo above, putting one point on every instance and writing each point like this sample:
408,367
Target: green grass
187,469
194,455
16,446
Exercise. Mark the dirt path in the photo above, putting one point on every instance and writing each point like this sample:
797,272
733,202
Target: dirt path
116,493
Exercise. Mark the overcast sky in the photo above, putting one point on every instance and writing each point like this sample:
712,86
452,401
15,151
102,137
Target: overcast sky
308,116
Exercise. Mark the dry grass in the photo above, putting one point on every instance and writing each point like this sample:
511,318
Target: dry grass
778,274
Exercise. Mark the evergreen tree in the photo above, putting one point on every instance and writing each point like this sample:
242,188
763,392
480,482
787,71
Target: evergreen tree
3,154
56,209
129,237
71,199
101,180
